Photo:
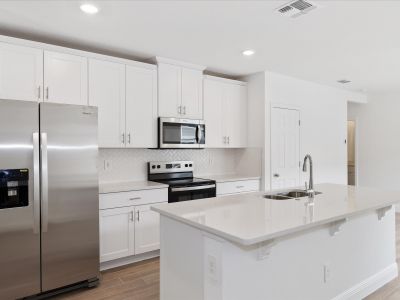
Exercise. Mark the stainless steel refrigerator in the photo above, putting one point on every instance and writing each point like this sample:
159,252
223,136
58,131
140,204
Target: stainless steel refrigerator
49,217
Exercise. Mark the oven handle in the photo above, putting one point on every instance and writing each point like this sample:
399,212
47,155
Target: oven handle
198,134
193,188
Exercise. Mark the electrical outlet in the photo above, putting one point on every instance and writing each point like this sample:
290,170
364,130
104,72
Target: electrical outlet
327,273
106,165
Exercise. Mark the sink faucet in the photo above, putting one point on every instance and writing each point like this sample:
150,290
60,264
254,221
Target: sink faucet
310,188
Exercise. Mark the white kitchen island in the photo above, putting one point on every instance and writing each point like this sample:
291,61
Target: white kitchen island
247,247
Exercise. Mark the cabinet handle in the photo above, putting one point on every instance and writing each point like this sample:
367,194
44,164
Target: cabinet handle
129,138
123,138
184,110
132,216
135,198
47,92
229,139
138,216
39,91
179,109
224,139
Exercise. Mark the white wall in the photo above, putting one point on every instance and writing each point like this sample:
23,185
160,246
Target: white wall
378,140
323,114
131,164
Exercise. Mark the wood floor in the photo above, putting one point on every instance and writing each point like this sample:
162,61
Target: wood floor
141,281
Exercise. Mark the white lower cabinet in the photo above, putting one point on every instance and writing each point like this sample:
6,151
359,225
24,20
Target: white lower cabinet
116,233
147,229
130,230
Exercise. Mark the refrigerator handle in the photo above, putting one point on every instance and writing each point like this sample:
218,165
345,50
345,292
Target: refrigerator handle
45,182
36,183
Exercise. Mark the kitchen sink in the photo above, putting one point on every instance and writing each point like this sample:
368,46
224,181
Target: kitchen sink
289,195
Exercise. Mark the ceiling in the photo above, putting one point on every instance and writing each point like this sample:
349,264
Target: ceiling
354,40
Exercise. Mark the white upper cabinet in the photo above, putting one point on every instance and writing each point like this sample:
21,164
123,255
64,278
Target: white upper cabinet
65,78
213,113
225,113
180,89
192,93
141,107
169,90
21,73
107,92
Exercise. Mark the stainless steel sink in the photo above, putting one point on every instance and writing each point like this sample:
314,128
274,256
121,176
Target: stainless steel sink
293,194
277,197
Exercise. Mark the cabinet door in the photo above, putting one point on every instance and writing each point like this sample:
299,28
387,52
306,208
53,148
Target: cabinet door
107,92
116,233
192,93
65,78
237,118
169,90
21,73
147,229
213,113
141,107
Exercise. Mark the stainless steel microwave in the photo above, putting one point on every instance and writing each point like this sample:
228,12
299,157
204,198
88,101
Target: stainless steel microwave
181,133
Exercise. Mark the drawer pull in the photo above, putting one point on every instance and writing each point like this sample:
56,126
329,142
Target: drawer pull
135,198
240,186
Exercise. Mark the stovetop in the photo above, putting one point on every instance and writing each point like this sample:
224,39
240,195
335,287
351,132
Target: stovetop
192,181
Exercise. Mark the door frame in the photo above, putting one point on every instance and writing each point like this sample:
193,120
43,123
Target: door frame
289,107
355,120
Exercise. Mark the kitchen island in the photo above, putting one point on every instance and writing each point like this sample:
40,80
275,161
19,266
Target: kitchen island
340,245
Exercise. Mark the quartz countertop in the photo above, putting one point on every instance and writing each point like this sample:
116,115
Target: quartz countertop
126,186
230,177
249,219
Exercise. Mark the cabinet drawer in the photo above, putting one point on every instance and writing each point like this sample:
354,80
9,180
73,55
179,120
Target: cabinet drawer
141,197
240,186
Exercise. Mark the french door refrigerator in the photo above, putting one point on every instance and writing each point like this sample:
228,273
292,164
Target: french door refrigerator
49,224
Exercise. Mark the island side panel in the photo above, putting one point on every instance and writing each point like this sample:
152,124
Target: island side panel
181,261
361,257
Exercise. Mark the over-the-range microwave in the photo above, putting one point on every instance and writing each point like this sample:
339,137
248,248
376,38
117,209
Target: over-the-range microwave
181,133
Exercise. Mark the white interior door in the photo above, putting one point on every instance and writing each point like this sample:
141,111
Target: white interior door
21,73
285,148
107,92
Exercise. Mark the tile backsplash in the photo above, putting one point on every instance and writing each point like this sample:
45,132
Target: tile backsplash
131,164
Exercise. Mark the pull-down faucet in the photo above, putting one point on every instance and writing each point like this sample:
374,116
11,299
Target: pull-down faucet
310,188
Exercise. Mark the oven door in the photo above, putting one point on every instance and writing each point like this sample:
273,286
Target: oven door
178,194
181,133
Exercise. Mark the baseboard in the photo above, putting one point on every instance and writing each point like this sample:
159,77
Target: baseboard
128,260
370,285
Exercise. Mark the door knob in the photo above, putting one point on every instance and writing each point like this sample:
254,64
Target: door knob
276,175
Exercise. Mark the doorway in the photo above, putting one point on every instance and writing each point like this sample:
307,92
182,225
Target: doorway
351,153
285,147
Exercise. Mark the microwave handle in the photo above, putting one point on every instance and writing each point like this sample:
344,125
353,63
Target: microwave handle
198,134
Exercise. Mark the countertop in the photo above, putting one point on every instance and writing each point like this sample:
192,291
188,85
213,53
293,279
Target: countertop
230,177
126,186
249,219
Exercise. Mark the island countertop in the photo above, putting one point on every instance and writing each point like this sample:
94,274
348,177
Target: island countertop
249,219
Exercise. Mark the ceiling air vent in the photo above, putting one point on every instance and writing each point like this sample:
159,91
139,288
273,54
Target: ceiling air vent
296,8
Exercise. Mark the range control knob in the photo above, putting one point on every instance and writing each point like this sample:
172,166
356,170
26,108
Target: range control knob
153,166
186,165
158,166
190,165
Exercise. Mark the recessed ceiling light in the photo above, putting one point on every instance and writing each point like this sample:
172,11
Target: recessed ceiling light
343,81
89,9
248,52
